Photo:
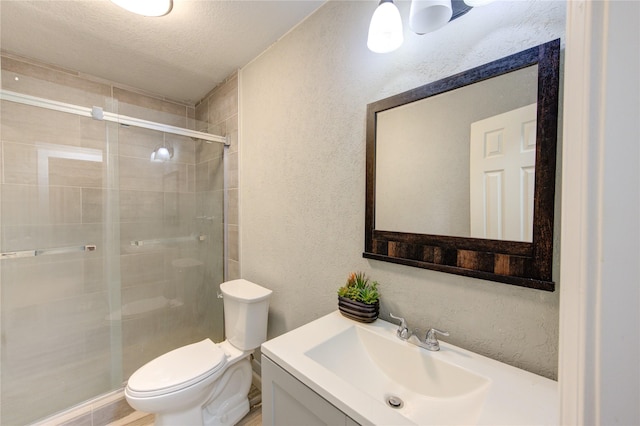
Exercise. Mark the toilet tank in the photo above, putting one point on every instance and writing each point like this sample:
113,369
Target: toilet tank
246,307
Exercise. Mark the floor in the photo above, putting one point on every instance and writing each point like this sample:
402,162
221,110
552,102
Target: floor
253,418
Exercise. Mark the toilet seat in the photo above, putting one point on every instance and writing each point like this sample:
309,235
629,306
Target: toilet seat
177,369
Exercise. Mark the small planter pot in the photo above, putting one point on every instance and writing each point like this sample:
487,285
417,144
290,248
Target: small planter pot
358,311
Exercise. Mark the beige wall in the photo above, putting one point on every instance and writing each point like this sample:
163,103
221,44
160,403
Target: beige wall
302,172
219,109
600,296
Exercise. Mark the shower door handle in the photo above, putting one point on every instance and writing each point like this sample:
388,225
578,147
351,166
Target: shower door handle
42,252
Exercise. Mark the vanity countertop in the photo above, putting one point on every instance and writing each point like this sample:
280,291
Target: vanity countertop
356,366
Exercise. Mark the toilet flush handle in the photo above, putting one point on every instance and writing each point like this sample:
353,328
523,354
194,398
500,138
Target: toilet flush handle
220,295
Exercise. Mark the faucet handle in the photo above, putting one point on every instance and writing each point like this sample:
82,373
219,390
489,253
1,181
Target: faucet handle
431,340
403,330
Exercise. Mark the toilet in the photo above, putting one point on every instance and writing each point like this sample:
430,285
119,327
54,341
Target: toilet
206,383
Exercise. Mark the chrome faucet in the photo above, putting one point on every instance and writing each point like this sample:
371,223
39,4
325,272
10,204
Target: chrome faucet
402,332
431,340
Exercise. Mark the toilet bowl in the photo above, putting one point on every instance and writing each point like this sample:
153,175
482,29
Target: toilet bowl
206,383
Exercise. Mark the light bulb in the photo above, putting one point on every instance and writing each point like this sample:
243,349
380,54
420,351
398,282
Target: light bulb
146,7
163,154
385,30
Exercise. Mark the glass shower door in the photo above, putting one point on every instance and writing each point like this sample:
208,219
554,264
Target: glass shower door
171,227
109,257
58,346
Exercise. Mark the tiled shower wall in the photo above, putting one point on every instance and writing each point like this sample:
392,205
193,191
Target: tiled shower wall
220,110
60,345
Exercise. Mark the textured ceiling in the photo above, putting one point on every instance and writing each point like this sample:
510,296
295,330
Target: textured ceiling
181,56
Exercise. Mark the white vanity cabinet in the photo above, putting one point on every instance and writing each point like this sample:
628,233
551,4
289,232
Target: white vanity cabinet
335,371
287,402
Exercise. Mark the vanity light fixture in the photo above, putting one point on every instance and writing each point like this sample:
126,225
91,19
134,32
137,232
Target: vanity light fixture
426,16
162,153
146,7
385,29
476,3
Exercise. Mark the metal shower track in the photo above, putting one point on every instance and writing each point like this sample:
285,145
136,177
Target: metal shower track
99,114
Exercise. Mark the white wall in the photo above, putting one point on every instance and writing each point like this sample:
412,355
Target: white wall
302,175
600,314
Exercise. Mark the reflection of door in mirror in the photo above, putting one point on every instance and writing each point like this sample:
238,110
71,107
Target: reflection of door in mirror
422,154
502,175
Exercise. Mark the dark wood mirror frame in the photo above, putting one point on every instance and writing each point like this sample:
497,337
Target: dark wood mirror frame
518,263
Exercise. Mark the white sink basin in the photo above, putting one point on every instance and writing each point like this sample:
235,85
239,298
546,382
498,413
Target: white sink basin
412,378
359,367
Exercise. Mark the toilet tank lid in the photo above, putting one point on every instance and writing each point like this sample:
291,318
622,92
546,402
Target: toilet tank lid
245,291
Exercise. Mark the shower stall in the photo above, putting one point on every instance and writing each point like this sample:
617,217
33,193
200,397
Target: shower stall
111,240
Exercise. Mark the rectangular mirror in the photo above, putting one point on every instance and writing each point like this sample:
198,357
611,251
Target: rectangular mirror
425,156
461,172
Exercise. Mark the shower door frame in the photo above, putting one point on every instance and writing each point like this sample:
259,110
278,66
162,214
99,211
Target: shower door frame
98,113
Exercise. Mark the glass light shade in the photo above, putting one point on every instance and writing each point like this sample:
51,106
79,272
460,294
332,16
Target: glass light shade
146,7
385,29
426,16
476,3
162,154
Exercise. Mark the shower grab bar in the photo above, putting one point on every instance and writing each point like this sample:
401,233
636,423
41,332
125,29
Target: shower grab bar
42,252
140,243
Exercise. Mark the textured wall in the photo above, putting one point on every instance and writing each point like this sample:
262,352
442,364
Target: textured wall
302,180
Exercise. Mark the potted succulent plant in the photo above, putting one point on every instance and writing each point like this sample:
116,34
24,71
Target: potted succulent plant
359,298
